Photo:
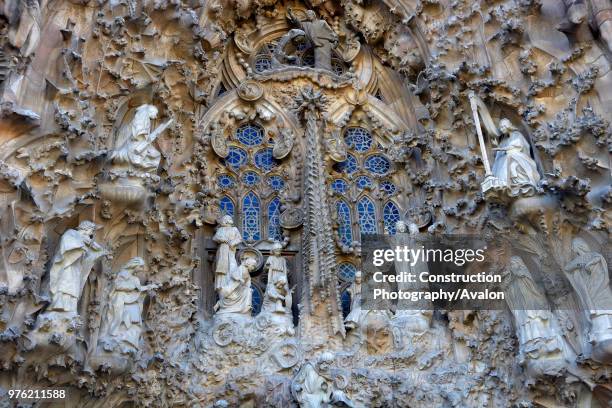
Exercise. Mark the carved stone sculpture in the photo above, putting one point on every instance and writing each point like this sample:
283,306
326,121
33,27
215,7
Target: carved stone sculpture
323,38
513,163
312,386
589,275
539,342
74,258
228,237
409,315
122,325
135,148
278,298
235,294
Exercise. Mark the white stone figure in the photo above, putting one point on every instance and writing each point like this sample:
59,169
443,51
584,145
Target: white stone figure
235,295
356,319
134,146
74,259
278,298
513,163
540,346
411,316
123,323
228,237
589,276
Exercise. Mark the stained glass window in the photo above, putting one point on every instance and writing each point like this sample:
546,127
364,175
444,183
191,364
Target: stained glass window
348,166
346,271
377,164
363,182
276,182
250,135
262,63
236,157
264,160
225,181
251,228
358,139
226,205
339,186
391,215
274,228
256,300
367,216
344,223
250,178
345,300
388,187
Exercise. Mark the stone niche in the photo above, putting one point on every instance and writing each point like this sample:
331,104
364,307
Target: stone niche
184,188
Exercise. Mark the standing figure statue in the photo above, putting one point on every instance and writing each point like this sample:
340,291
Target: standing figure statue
320,34
134,145
513,163
228,237
589,276
277,298
123,323
540,346
235,295
411,316
73,260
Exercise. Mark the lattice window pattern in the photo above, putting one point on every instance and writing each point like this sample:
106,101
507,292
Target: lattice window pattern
377,164
274,227
226,205
344,222
358,139
346,271
367,216
391,215
251,225
250,135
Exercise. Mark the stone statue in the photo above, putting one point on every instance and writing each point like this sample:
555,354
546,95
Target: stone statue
411,316
123,323
277,298
228,237
540,347
320,34
235,293
134,145
589,276
357,317
513,163
73,260
313,386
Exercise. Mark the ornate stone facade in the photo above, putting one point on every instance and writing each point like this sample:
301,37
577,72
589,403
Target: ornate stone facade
183,186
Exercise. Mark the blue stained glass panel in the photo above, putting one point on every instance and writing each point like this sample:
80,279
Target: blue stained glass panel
346,271
236,157
226,205
276,182
225,181
250,178
274,227
256,300
358,139
339,186
391,215
262,63
367,216
364,182
344,223
349,166
377,164
345,300
251,225
388,187
250,135
264,160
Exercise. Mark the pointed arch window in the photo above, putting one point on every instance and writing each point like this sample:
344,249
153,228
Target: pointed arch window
274,228
367,216
226,206
251,226
391,215
344,222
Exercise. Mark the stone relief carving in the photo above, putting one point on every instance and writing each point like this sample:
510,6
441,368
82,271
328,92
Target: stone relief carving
78,139
588,274
123,322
